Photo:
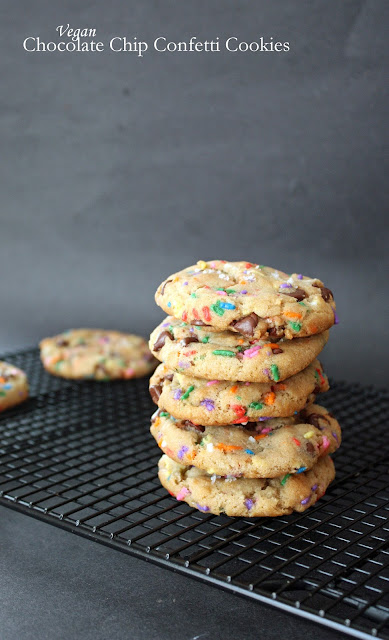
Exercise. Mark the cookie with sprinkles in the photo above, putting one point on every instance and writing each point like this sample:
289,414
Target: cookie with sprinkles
225,355
219,402
246,497
97,354
262,449
253,300
13,386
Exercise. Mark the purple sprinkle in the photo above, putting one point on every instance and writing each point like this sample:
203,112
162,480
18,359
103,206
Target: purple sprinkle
315,486
177,394
336,317
249,503
183,365
208,404
166,324
244,291
185,283
306,500
335,436
285,285
182,451
262,418
201,508
299,276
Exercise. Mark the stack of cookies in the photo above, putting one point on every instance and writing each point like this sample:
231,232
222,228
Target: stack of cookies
236,390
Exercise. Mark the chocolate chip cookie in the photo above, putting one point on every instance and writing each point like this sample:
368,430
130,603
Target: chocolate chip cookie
218,402
225,355
244,496
263,449
97,354
250,299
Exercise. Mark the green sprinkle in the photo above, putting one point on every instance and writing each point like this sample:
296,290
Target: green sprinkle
238,398
296,326
219,288
59,364
205,339
239,349
164,414
202,356
256,405
230,291
187,392
316,375
183,324
217,309
275,372
224,352
302,303
193,295
284,479
2,394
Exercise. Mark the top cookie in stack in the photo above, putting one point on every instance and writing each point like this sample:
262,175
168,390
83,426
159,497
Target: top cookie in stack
239,319
239,365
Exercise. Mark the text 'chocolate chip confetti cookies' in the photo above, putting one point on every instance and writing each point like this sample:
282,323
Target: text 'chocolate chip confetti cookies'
13,386
97,354
236,391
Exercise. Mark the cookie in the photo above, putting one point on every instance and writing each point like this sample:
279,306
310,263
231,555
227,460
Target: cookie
215,402
244,496
263,449
97,354
13,386
253,300
225,355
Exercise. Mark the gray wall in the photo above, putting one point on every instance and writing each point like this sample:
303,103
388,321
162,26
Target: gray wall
117,170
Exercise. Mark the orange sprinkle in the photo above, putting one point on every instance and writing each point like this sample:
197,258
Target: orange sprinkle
243,282
157,422
241,341
280,386
261,435
2,380
234,388
313,328
272,345
270,398
228,447
292,314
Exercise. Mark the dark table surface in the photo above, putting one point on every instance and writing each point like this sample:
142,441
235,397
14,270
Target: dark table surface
58,585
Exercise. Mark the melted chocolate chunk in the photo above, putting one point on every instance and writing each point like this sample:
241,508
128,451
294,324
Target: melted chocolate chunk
185,341
246,325
155,392
161,340
316,389
277,350
200,323
188,425
62,343
326,294
298,293
164,285
310,448
314,419
276,333
169,376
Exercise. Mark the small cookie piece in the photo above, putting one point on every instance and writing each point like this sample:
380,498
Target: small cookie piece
264,449
217,402
251,299
197,351
246,497
13,386
97,354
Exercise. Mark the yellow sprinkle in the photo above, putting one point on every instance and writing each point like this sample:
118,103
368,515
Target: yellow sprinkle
201,264
309,434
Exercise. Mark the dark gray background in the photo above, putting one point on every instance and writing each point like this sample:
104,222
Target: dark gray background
119,170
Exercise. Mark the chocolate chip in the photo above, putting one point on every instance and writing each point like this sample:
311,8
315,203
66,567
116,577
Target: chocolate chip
161,340
275,333
169,377
326,294
164,285
155,392
298,293
62,343
314,419
200,323
188,425
185,341
277,350
310,448
316,389
246,325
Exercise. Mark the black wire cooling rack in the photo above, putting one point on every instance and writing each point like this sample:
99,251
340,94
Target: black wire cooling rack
79,455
